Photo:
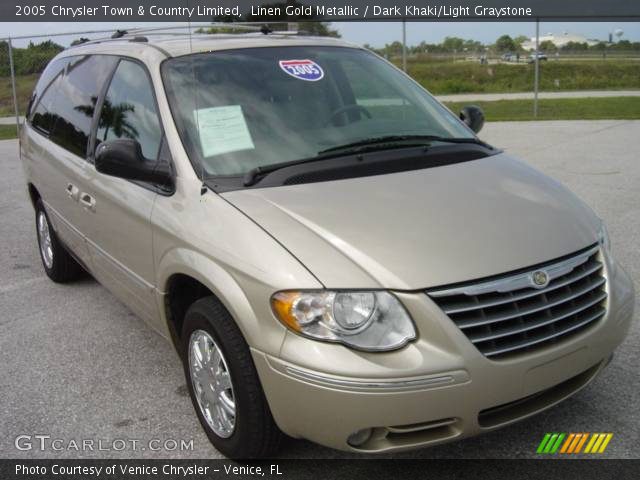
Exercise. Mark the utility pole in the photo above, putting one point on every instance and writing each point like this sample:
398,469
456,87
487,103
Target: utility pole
13,86
404,45
536,78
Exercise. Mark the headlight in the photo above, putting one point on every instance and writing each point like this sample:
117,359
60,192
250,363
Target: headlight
362,320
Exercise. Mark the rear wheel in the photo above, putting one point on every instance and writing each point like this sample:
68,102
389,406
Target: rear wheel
58,264
224,385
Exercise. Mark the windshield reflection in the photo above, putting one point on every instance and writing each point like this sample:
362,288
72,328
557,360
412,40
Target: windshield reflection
240,109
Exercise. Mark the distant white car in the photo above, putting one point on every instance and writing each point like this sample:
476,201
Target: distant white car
541,57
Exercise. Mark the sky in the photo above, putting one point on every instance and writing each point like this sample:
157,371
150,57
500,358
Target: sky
375,34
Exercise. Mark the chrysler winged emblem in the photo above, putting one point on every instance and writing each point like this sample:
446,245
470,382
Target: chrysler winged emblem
540,279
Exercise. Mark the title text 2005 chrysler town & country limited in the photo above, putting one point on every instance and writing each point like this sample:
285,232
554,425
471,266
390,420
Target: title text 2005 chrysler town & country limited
334,254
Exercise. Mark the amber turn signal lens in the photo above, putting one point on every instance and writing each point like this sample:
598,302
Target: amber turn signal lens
282,304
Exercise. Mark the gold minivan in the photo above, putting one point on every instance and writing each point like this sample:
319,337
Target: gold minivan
333,253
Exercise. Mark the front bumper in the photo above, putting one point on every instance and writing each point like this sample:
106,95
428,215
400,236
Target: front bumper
438,388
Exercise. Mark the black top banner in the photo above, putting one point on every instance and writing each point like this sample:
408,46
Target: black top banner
318,10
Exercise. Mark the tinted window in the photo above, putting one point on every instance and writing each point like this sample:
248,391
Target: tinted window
75,101
129,110
50,73
43,117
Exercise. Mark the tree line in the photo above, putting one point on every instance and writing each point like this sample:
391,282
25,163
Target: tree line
504,44
31,59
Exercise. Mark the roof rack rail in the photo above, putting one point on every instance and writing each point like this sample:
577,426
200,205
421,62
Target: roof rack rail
167,30
141,35
248,26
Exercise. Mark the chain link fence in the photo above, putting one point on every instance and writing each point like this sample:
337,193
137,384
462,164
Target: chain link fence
23,58
469,70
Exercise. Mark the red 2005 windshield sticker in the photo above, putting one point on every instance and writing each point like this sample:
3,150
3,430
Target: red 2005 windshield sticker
302,69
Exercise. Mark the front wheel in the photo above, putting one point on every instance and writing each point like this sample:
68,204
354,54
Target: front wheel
58,264
224,385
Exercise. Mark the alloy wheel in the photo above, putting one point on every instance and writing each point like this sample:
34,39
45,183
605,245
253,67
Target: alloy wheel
212,385
44,236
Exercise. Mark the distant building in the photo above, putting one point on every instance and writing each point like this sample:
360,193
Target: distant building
559,40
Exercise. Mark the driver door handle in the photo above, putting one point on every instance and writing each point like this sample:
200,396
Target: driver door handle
88,201
72,192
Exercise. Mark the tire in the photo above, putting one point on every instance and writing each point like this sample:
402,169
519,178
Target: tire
254,434
58,264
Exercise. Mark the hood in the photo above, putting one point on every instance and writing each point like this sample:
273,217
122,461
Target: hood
423,228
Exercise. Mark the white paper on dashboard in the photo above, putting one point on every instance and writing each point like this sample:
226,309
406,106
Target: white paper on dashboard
222,130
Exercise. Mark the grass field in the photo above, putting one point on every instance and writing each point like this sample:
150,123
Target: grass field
7,132
467,77
612,108
447,77
24,86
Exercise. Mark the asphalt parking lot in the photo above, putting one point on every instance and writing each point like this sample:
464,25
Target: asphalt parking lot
76,364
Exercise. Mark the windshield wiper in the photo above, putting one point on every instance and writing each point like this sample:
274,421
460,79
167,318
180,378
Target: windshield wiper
251,177
375,143
370,144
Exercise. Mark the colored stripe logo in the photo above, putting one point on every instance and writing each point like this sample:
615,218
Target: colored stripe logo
572,443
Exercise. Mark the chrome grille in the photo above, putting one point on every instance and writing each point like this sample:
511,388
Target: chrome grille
510,314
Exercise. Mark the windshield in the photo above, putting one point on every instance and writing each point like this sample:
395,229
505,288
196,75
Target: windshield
240,109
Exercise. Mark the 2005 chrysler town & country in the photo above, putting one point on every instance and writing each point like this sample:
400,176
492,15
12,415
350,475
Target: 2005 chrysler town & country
334,254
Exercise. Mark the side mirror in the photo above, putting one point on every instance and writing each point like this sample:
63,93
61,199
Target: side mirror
123,158
473,117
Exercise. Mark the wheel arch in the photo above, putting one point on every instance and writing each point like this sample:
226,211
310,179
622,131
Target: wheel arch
186,276
34,194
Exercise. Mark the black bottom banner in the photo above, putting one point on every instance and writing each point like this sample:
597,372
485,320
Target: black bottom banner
117,469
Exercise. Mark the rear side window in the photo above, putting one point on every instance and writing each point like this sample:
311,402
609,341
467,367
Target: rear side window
43,118
76,95
53,70
129,110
